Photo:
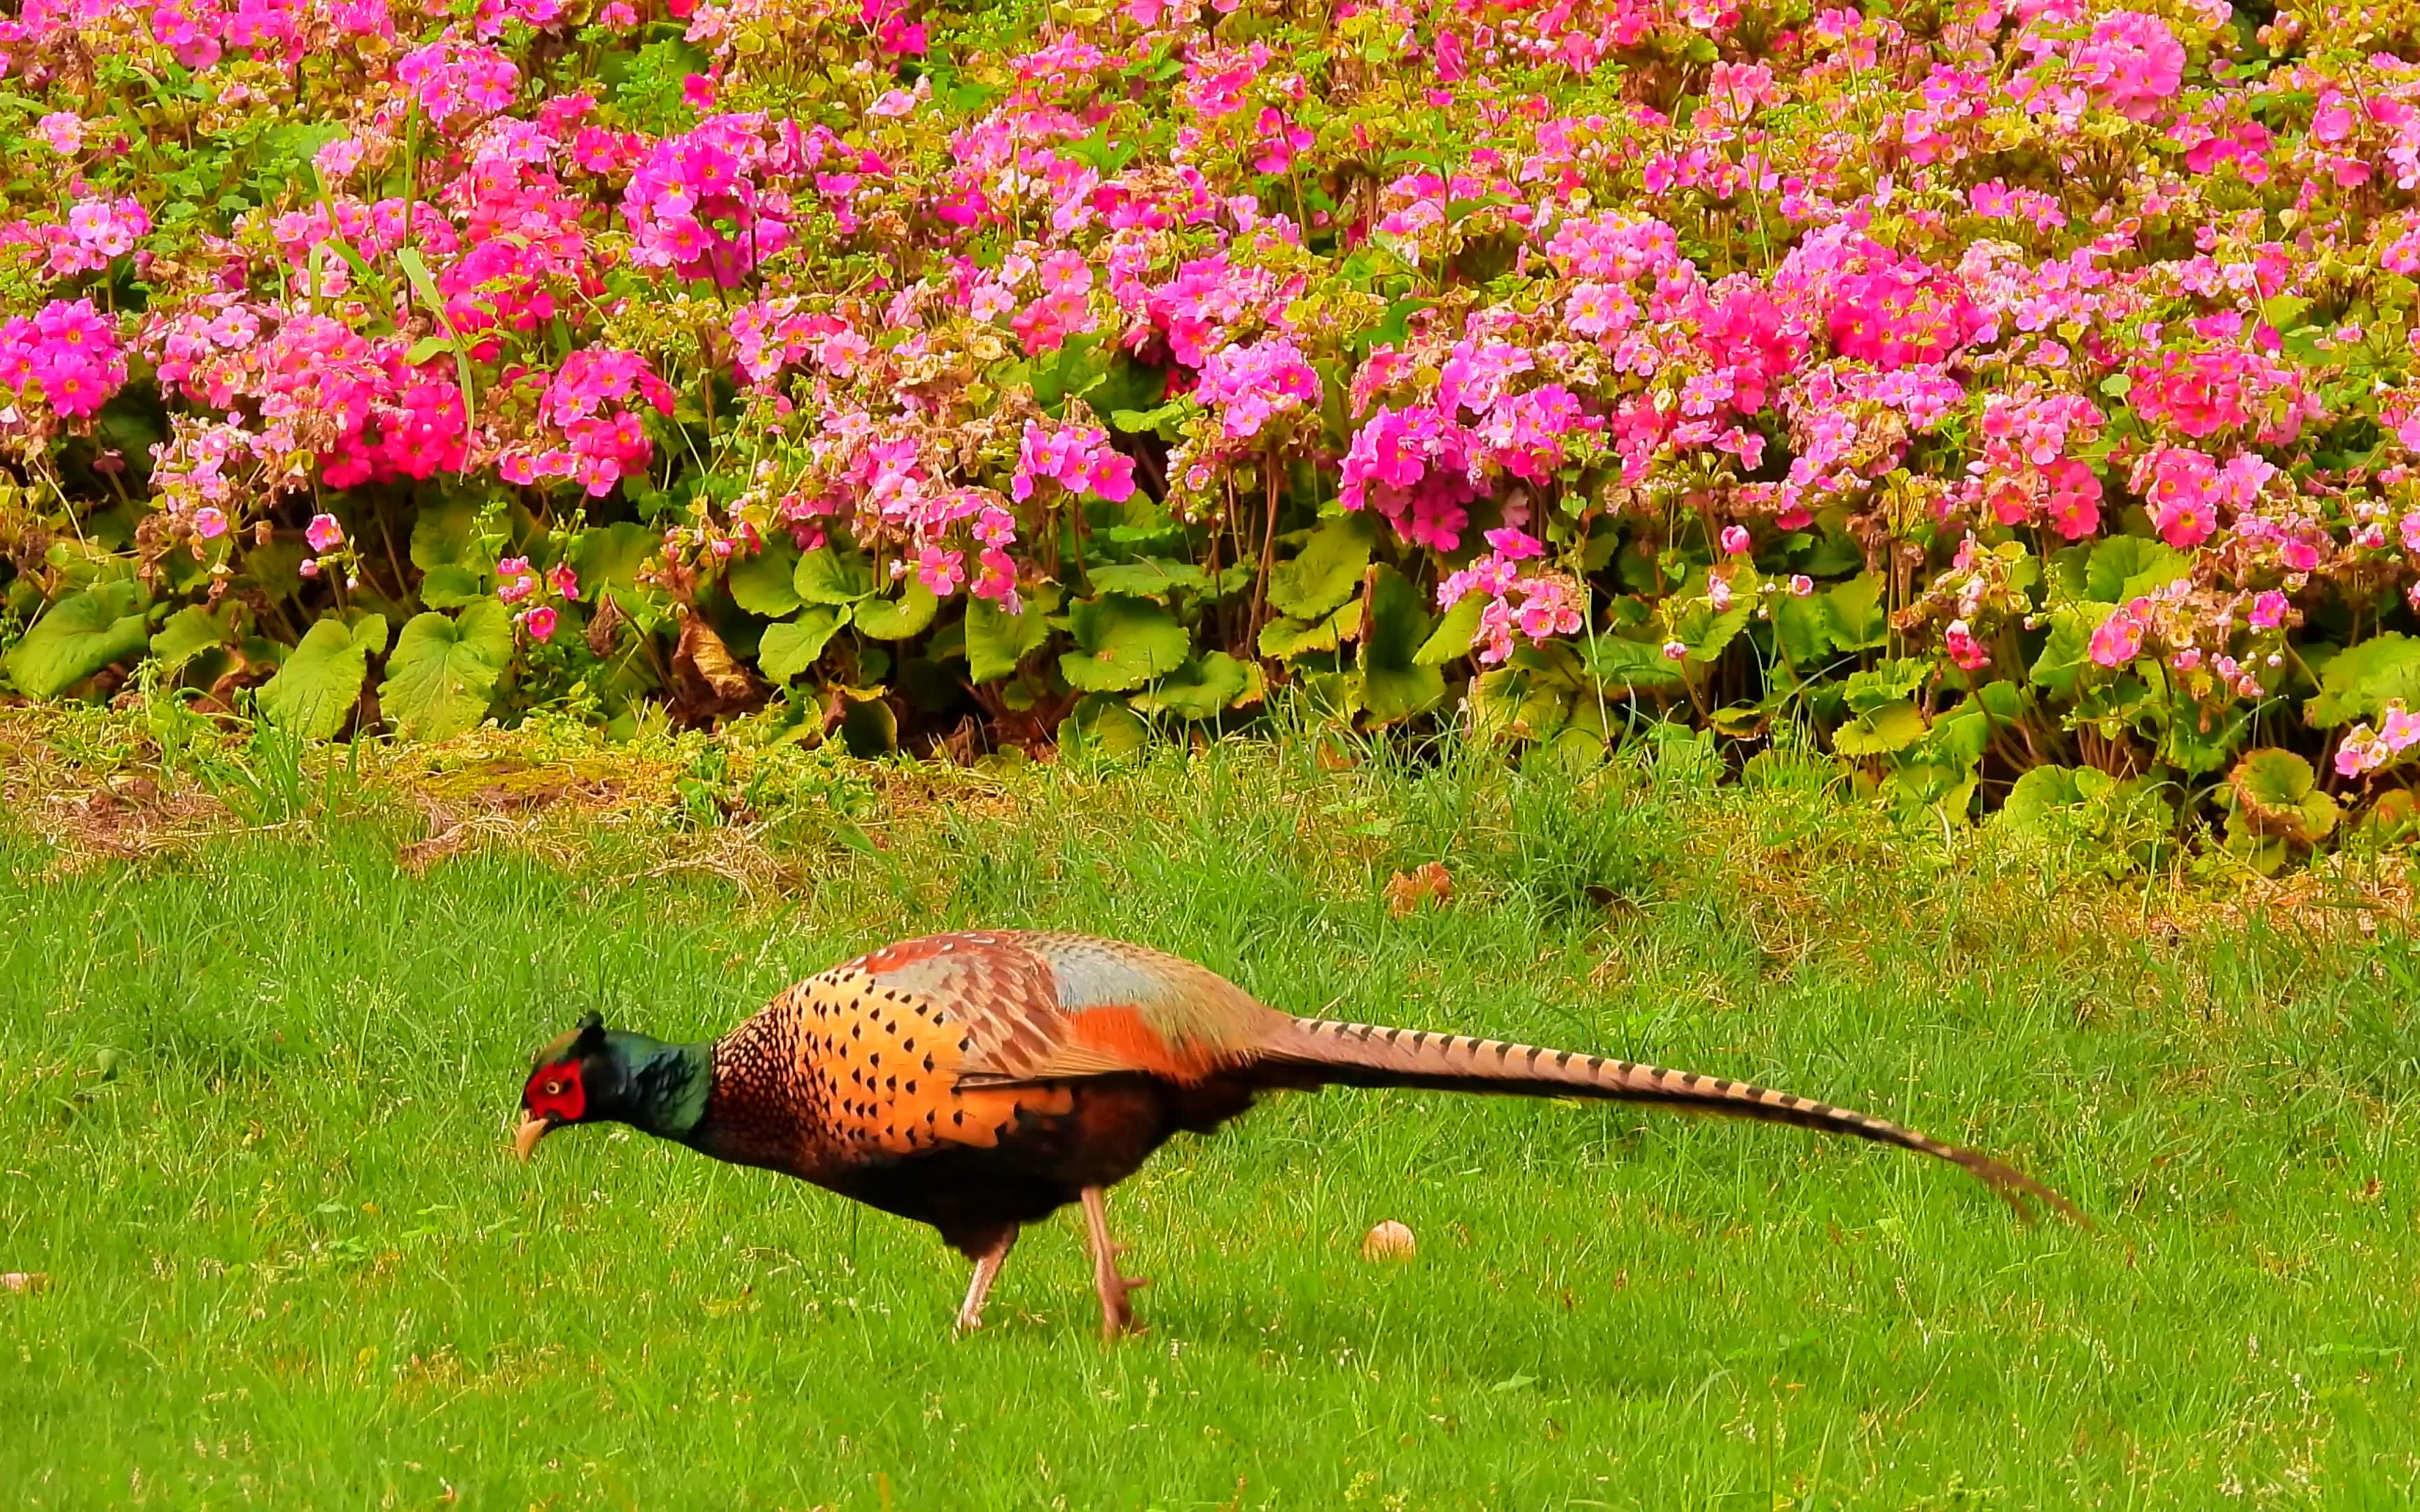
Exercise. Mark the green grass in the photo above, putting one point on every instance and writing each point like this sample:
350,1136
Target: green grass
252,1115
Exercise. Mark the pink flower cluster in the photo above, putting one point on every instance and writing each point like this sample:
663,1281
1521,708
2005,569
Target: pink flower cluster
592,404
67,357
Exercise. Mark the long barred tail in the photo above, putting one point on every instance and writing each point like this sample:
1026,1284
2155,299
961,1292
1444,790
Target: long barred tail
1366,1055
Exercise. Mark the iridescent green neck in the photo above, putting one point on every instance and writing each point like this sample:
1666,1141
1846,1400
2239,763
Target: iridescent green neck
664,1086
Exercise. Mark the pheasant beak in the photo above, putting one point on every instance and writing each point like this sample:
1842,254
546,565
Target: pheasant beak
532,1131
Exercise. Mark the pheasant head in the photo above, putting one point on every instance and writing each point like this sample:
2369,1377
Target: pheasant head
595,1074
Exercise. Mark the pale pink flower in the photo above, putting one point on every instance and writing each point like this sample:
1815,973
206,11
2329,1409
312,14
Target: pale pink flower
2268,610
209,522
324,534
62,131
2118,639
1735,540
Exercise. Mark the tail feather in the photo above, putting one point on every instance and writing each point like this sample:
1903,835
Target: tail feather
1335,1053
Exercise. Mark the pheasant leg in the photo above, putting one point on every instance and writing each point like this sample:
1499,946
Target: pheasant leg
987,1271
1117,1314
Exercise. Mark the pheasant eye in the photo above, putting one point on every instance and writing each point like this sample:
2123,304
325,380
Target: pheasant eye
554,1088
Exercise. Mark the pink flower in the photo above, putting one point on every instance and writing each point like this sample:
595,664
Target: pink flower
539,622
1801,585
324,534
2268,610
1735,540
62,131
564,581
209,524
1674,650
1963,648
2118,639
515,581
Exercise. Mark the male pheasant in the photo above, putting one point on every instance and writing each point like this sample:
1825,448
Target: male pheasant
979,1082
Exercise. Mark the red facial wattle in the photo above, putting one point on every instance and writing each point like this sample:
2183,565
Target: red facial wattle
556,1092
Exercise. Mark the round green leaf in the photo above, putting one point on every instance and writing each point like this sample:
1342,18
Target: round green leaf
896,619
791,647
1123,643
1327,569
82,633
444,672
996,640
829,576
321,678
762,584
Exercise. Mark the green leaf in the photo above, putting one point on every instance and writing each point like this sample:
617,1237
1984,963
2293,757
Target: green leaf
761,584
790,648
2277,796
1152,577
1200,689
2123,567
1122,644
426,347
190,631
2359,681
1395,684
451,586
2046,790
445,671
608,555
2068,649
1284,638
996,640
1805,629
321,678
896,619
1617,662
1858,618
1454,633
1103,725
869,726
1891,727
1326,571
82,633
830,575
444,533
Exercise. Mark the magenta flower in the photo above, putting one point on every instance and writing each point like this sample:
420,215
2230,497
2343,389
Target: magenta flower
539,622
1736,541
2268,610
564,581
515,581
1964,649
1801,585
209,522
323,533
2118,639
62,132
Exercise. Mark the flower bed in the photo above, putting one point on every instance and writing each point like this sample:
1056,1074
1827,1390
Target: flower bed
1984,395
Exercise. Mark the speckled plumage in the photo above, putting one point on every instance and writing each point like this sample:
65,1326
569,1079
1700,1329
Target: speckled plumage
978,1082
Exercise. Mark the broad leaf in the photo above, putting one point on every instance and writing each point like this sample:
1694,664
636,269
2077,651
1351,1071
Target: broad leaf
1284,638
1104,726
1395,684
82,633
1891,727
1617,662
1326,571
190,631
1859,618
791,647
612,555
2359,681
1200,689
445,671
896,619
1122,644
2124,566
321,678
2277,796
1454,633
761,584
828,574
1805,629
2068,649
1152,577
996,640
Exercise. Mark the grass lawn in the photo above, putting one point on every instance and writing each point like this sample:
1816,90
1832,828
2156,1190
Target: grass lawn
255,1092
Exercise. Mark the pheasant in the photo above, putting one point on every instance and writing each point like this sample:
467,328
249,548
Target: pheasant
979,1082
